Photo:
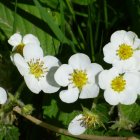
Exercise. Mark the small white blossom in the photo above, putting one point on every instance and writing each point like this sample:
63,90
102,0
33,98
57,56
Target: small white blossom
79,75
18,42
84,121
3,96
37,70
119,87
123,51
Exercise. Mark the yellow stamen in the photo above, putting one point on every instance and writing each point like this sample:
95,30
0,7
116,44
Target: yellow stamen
125,51
36,68
79,78
90,119
19,48
118,84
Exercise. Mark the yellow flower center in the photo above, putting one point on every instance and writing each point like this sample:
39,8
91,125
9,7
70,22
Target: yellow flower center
90,119
79,78
19,48
118,84
36,68
125,51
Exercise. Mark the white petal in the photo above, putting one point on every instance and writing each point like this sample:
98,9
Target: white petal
109,53
3,96
15,39
31,51
111,97
117,38
47,83
79,61
62,75
132,81
92,70
75,127
32,83
129,97
127,65
89,91
48,88
70,95
21,65
130,38
106,76
29,38
50,61
136,43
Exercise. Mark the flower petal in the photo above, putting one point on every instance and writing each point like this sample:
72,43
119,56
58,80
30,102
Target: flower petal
106,76
79,61
29,38
129,38
117,37
132,81
111,97
109,53
47,87
92,70
89,91
32,83
15,39
20,63
70,95
127,65
51,61
62,75
47,83
75,127
128,97
31,51
3,96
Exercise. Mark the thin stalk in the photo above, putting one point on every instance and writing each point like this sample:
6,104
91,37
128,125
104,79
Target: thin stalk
19,90
90,32
64,131
15,15
105,14
78,27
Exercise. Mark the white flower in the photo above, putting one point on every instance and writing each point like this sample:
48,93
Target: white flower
37,70
3,96
119,87
79,75
18,42
123,51
82,122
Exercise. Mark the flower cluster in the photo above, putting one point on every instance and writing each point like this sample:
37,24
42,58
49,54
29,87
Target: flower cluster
80,77
121,82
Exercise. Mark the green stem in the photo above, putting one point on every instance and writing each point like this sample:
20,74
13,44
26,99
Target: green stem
105,14
15,15
90,32
18,92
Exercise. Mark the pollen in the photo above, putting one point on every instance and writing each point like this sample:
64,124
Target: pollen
125,51
90,119
37,68
19,48
79,78
118,84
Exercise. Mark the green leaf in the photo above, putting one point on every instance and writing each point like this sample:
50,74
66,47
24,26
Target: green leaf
9,132
52,110
130,112
67,117
28,20
83,2
48,19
